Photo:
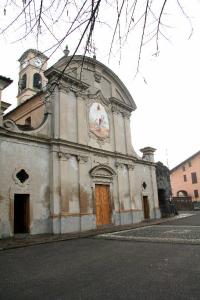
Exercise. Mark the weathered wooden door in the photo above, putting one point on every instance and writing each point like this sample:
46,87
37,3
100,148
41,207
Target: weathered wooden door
146,207
102,204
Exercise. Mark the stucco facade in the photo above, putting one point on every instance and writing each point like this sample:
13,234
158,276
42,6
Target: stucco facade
78,168
185,178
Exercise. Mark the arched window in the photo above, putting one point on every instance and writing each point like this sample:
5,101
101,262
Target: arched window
23,82
37,81
182,193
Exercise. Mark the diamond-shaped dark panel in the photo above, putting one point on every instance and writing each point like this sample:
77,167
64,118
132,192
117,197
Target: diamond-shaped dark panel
144,185
22,176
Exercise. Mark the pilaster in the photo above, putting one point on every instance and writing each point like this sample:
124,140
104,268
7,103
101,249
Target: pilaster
129,147
131,185
84,186
55,208
55,102
81,119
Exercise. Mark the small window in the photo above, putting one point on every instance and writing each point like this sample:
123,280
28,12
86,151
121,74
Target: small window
194,177
22,175
183,168
37,81
196,193
144,185
184,177
189,164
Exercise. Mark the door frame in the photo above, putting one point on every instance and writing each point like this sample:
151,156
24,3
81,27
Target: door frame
109,203
103,175
145,204
26,211
19,190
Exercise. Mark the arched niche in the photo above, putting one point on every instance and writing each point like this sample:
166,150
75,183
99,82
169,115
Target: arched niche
182,193
103,173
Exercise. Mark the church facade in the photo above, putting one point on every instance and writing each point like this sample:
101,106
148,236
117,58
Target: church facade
66,157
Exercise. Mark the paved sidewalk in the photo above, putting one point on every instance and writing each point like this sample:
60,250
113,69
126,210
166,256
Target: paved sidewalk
24,240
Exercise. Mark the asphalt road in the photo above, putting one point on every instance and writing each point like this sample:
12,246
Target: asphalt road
101,269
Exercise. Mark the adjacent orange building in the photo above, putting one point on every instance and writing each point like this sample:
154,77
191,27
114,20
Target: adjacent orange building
185,178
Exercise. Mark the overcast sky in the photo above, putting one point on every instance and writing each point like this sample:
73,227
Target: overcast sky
166,90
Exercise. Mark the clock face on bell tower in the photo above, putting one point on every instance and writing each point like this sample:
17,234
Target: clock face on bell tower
38,62
31,76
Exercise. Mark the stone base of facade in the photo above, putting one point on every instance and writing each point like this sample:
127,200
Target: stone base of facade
41,226
157,213
77,223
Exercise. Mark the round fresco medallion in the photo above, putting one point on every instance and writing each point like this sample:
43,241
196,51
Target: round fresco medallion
98,120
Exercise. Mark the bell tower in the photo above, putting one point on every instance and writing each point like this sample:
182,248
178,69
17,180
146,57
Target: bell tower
33,63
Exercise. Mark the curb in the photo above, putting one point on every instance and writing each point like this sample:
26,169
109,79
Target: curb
14,243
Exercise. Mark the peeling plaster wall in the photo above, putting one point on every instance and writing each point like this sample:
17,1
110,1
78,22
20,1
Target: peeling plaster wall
68,116
78,207
66,188
34,159
73,124
64,169
146,173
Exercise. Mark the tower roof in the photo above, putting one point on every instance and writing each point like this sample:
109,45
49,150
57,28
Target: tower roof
35,52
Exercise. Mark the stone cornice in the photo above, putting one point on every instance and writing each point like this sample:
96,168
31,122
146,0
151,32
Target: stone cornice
120,104
83,148
78,148
23,136
35,52
66,155
58,77
118,110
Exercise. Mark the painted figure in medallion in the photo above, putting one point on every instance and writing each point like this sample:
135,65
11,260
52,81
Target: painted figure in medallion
98,120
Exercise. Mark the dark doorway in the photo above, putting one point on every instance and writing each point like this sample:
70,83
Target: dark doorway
146,207
21,213
162,201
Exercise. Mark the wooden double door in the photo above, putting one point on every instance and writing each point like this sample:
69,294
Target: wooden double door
103,211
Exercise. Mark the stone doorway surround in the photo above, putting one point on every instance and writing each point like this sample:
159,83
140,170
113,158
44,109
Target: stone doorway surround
102,175
21,213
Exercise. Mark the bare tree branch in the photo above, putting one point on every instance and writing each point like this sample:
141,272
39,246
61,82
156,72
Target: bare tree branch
61,19
143,32
159,23
188,19
116,25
